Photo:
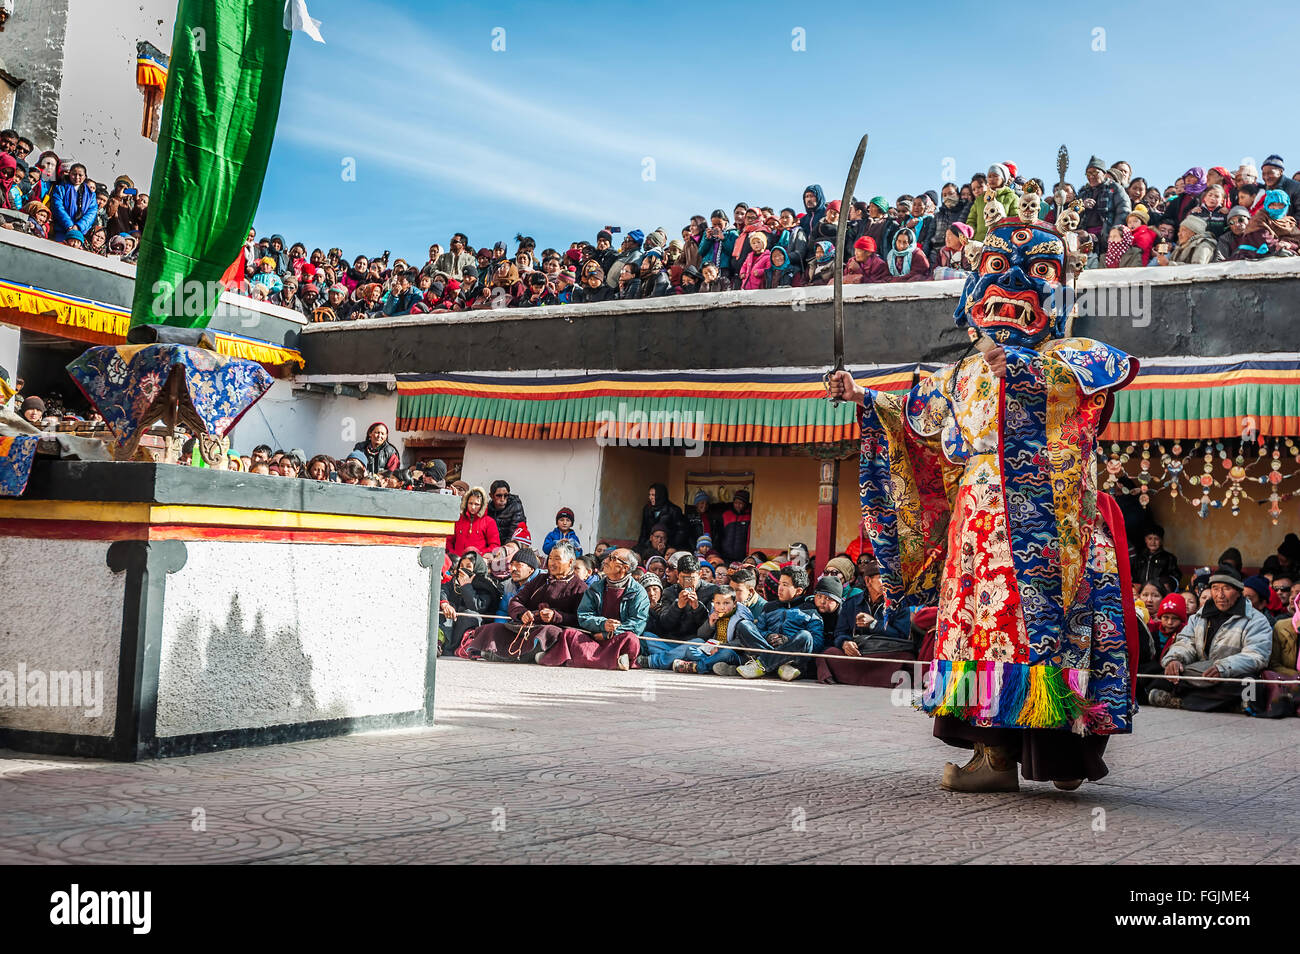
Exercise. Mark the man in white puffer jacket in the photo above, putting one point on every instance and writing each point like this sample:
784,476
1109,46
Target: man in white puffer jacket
1227,638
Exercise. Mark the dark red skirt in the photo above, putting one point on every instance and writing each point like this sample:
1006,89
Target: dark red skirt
1045,755
579,649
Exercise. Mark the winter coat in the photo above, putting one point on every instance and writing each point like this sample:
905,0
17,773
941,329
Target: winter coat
72,208
556,535
563,596
633,608
1111,209
943,218
670,515
1241,646
752,272
454,264
718,251
678,623
480,595
395,304
656,287
813,217
1010,203
478,532
791,619
582,295
733,541
795,243
1152,567
1199,251
508,518
385,460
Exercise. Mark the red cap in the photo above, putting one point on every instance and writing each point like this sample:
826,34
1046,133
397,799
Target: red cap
833,204
1174,605
866,242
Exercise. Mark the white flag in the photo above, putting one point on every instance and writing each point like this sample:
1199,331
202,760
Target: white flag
297,18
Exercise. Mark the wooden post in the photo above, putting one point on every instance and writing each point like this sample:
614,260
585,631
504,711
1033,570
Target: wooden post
828,492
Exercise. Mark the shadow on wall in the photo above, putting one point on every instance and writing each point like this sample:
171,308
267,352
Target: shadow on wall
239,677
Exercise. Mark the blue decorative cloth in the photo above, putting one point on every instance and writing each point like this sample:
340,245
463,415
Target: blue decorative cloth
16,456
127,384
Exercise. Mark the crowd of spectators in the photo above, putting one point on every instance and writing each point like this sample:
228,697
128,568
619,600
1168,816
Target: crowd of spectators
59,201
1116,220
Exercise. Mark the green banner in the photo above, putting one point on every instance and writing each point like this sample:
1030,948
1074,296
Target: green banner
218,124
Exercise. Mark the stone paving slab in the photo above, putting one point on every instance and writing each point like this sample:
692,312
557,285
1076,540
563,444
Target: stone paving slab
535,765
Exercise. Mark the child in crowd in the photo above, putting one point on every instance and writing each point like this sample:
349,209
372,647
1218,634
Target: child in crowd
563,531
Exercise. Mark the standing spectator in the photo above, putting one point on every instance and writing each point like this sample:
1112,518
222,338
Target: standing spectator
1272,171
1105,205
733,540
11,196
474,528
992,186
952,209
381,456
563,531
660,510
506,509
1155,563
73,205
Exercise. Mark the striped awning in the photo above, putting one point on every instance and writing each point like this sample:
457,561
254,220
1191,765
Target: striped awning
1185,398
726,407
1209,398
96,322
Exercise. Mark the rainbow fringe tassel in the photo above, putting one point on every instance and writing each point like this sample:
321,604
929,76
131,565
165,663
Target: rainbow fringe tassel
1011,695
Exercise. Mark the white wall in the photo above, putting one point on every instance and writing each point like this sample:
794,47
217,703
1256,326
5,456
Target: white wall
320,424
547,475
100,107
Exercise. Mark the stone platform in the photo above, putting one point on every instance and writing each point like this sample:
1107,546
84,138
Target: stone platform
543,765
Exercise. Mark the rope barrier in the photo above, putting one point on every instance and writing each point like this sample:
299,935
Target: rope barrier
907,662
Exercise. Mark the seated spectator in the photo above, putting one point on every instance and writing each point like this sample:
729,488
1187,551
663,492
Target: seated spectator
1230,241
744,581
708,651
861,632
471,594
904,261
474,528
1195,245
1271,230
865,265
611,618
733,540
791,624
654,282
841,568
563,531
686,603
380,456
539,611
821,267
1228,637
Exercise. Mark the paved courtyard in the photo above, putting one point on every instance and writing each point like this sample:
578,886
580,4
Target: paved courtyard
545,765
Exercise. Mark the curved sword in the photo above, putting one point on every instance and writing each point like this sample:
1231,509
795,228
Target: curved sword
849,185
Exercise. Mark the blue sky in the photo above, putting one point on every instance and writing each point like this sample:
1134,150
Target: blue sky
550,137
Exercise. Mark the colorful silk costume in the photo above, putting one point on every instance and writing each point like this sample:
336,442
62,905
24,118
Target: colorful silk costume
980,496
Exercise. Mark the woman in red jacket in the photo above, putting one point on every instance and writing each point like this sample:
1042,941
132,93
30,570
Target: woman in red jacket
474,528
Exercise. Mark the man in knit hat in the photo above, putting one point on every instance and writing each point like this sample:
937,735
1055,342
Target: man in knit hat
1105,204
1230,241
1273,172
1227,638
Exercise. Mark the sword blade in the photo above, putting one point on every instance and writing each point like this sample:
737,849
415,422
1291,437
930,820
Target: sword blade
849,185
